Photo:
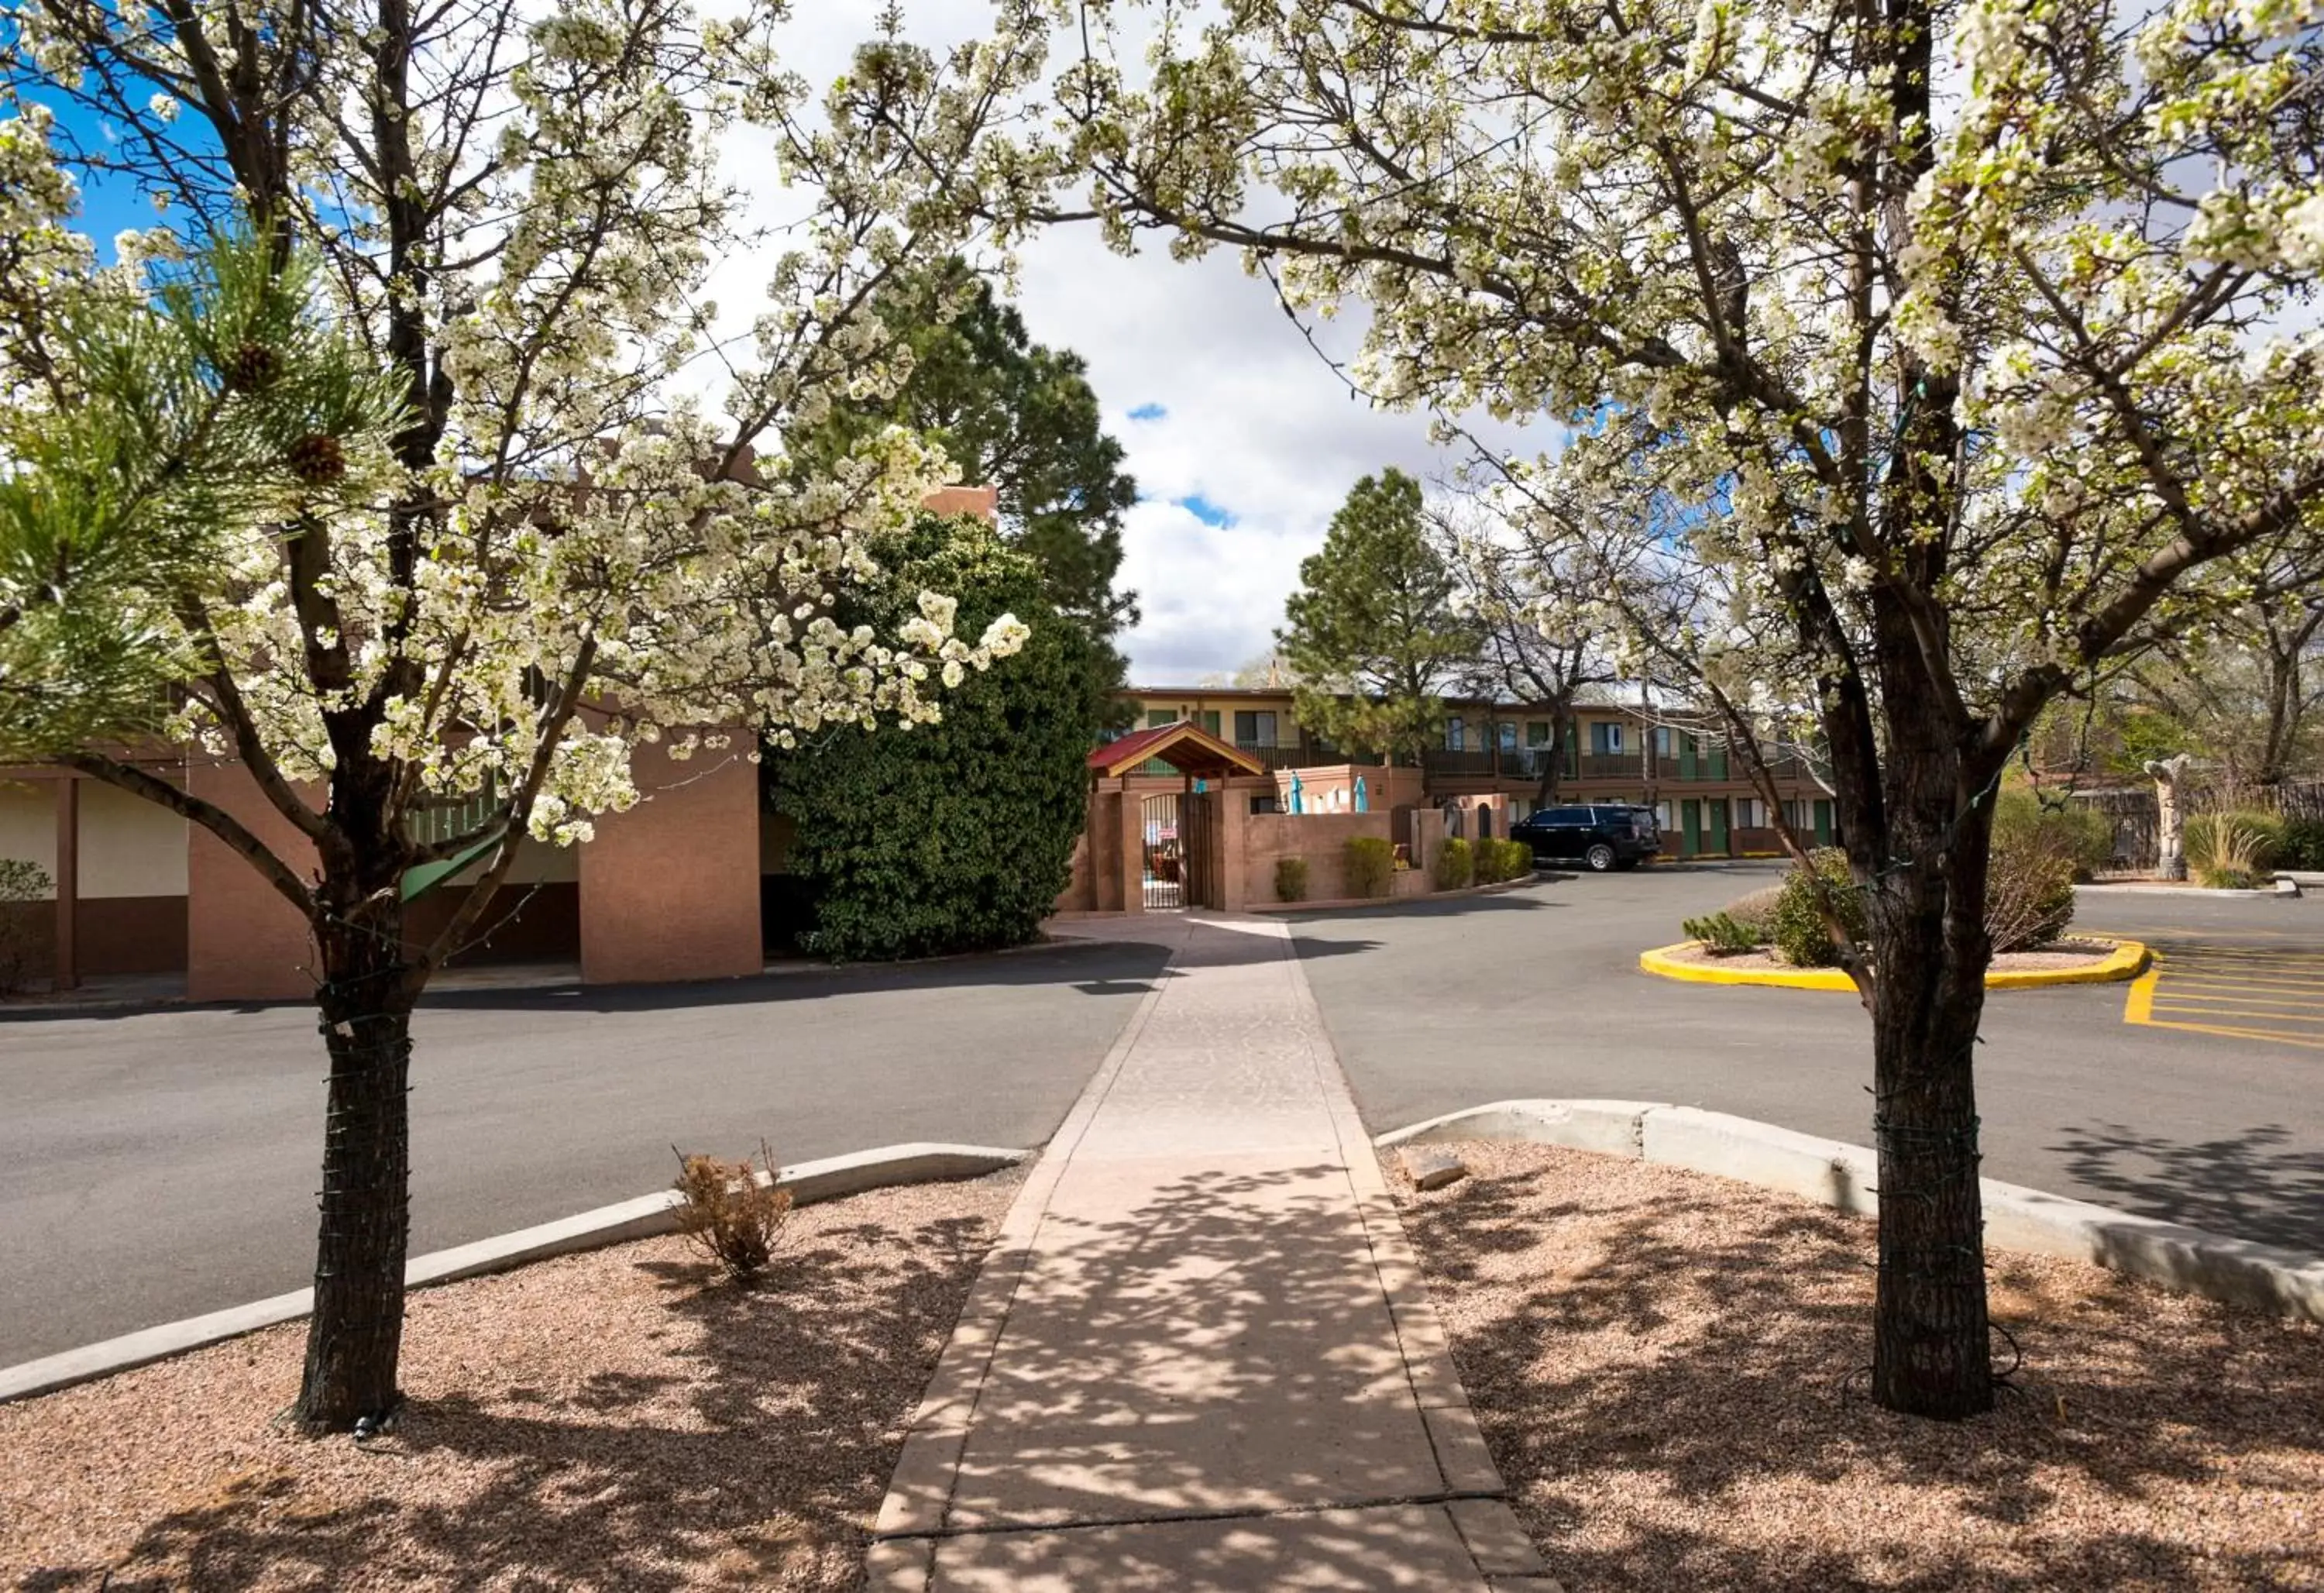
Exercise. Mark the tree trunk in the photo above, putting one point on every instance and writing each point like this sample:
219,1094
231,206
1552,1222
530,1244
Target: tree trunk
354,1339
1932,1354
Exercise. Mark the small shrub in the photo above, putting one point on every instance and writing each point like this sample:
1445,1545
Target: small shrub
733,1212
1502,859
2029,892
1797,925
1756,910
1291,879
1372,862
21,884
1724,934
2300,844
2076,830
2232,851
1456,864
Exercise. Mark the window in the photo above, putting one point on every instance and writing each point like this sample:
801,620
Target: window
1536,733
1506,731
1455,733
1663,816
1662,741
1159,716
1254,727
1750,813
1578,817
1605,737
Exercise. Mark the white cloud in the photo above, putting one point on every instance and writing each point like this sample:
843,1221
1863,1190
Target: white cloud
1254,422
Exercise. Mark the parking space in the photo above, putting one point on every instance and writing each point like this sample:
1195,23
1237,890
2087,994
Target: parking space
2207,1112
2247,985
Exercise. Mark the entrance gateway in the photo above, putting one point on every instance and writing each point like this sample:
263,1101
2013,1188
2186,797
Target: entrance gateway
1176,828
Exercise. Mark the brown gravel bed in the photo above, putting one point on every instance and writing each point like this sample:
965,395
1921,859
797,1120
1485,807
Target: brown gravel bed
2064,954
1662,1364
618,1420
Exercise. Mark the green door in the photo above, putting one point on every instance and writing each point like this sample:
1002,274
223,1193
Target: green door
1719,763
1718,841
1686,756
1689,813
1824,822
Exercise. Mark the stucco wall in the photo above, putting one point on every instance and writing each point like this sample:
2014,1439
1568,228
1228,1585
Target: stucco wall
243,942
1320,837
669,890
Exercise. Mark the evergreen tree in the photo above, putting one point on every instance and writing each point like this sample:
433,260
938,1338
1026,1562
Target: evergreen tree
1372,634
1016,416
960,836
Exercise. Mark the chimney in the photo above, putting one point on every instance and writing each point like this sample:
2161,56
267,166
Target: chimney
982,503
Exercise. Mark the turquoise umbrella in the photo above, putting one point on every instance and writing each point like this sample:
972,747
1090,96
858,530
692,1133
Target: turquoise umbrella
1362,805
1298,793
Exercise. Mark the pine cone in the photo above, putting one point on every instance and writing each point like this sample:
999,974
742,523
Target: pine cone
250,367
316,459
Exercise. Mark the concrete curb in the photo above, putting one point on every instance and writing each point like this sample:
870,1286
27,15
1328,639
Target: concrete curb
647,1216
1845,1177
2165,890
2126,961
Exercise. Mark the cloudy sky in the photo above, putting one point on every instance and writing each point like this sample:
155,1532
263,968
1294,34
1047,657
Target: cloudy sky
1242,440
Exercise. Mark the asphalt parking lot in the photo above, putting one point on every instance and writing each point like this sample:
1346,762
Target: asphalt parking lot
2210,1110
158,1164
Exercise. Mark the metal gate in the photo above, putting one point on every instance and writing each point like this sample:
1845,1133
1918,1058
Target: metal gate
1198,824
1165,871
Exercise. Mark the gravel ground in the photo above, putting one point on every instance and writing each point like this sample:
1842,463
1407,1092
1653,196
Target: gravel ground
1663,1362
619,1420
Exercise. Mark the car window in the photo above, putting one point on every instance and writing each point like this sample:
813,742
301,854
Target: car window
1570,815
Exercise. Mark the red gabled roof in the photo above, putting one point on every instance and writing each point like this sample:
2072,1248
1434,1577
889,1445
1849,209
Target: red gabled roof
1184,745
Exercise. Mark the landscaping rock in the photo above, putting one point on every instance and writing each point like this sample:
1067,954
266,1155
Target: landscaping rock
1432,1168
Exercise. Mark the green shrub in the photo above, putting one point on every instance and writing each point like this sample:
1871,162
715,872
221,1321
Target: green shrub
958,835
1371,863
2301,845
1797,925
1456,863
1724,933
21,884
1291,879
2232,851
2062,827
1502,859
2029,891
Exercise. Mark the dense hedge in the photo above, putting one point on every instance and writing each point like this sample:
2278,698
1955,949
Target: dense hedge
958,835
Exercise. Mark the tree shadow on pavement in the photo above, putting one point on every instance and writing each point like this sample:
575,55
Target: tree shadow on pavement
1666,1368
2256,1185
692,1434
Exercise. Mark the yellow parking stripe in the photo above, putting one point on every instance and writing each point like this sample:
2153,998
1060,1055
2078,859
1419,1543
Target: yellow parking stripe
2223,985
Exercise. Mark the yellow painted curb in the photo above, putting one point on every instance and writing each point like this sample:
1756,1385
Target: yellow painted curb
2125,961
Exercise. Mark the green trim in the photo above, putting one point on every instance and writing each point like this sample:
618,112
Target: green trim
417,881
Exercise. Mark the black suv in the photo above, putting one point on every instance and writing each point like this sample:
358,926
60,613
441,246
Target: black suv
1602,836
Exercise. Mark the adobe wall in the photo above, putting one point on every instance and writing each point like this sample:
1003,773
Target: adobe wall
669,890
243,942
1320,837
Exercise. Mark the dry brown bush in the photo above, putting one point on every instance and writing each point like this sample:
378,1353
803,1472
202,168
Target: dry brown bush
732,1211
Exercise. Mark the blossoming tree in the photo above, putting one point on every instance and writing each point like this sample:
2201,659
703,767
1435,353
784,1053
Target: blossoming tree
1971,344
545,554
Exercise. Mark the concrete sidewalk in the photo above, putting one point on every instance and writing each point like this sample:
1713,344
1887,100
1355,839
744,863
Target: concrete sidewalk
1201,1356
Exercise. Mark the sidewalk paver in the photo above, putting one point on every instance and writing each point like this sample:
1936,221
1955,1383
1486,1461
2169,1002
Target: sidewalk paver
1200,1355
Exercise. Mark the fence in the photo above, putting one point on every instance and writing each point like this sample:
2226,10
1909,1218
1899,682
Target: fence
2137,821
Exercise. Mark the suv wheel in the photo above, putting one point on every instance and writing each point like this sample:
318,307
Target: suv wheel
1600,856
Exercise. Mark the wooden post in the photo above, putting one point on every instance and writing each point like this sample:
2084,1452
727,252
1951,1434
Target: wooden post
67,971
